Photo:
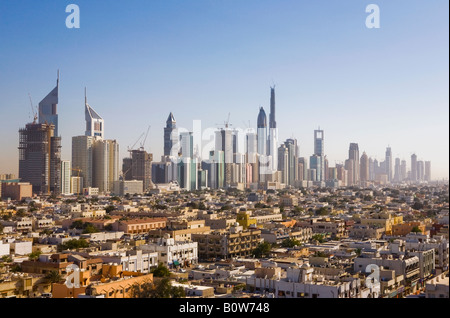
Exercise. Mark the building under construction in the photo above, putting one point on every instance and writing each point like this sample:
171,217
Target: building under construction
139,167
40,158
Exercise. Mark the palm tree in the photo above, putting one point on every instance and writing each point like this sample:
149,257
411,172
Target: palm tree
53,277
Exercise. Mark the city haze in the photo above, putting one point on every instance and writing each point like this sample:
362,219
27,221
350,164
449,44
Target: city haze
204,60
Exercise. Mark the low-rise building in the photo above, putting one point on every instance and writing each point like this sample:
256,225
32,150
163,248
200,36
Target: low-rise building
172,253
227,244
16,190
139,226
278,235
359,231
437,287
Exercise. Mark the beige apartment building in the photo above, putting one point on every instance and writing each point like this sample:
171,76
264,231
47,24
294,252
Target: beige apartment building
227,244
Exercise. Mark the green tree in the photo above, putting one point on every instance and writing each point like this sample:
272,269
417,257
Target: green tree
159,289
110,208
290,242
78,224
74,244
53,277
416,229
160,271
21,213
318,237
323,211
34,256
89,228
262,250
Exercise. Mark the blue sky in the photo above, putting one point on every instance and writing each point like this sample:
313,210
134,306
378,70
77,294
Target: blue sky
204,59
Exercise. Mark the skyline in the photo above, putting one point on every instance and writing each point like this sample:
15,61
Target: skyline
117,83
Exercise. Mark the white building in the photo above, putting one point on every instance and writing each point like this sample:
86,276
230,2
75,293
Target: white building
303,282
438,287
422,242
172,253
4,248
21,248
133,261
66,173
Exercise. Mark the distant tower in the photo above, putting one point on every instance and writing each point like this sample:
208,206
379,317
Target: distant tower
40,158
428,171
95,125
364,168
171,142
319,152
397,174
95,159
273,133
414,168
291,145
353,154
388,162
262,132
48,108
403,172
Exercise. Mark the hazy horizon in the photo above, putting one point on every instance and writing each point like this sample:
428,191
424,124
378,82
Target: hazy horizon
204,59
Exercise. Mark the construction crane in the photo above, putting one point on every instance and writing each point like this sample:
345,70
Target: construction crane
35,117
143,143
130,149
227,123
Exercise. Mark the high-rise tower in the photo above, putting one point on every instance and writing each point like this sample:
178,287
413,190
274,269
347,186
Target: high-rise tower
171,144
353,155
262,132
319,152
40,158
95,159
414,168
364,168
48,109
95,125
388,163
272,150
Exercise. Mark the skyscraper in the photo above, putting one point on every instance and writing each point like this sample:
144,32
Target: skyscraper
414,168
427,171
48,109
95,125
141,168
320,152
291,145
397,170
66,172
273,133
171,146
420,170
353,154
187,165
262,132
315,164
364,169
95,159
388,162
403,171
283,163
40,158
